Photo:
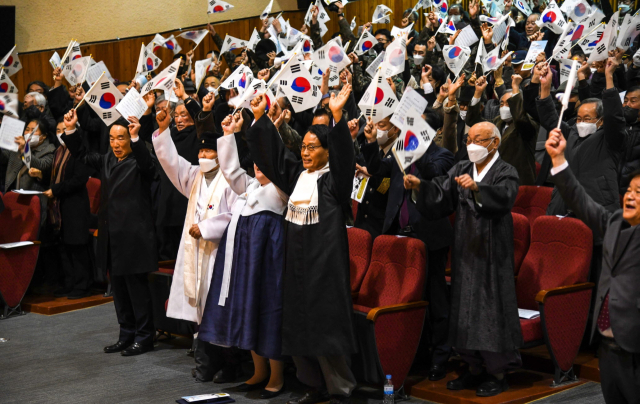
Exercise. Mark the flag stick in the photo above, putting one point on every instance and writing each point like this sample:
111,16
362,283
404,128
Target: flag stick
578,41
85,94
393,150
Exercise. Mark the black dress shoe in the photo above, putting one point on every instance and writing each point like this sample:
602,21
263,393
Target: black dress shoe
62,292
228,374
437,371
492,387
136,349
117,347
246,387
267,394
78,294
311,397
339,400
466,381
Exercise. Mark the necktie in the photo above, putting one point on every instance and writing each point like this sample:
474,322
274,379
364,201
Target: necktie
603,318
404,209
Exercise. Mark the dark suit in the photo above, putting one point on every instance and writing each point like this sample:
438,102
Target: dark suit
620,279
436,234
372,209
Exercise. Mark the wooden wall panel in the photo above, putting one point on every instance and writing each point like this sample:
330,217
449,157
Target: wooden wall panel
121,56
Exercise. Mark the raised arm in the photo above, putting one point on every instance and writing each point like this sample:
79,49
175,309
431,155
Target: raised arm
526,127
613,118
229,159
78,149
144,161
180,172
341,155
268,152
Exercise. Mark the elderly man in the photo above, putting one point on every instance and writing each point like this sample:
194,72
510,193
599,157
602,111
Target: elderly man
483,325
126,237
619,285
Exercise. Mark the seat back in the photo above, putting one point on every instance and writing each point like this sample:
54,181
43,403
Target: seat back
396,273
354,209
93,189
559,255
20,219
359,255
521,239
532,201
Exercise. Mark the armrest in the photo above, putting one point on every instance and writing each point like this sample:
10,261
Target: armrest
374,313
165,264
95,234
19,246
542,296
447,272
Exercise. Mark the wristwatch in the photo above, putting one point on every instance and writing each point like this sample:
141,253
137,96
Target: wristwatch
341,15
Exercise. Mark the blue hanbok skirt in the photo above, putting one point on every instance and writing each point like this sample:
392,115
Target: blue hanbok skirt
251,318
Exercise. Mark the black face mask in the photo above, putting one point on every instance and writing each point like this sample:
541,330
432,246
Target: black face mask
630,115
379,47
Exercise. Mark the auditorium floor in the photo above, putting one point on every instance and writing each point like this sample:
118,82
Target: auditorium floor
59,359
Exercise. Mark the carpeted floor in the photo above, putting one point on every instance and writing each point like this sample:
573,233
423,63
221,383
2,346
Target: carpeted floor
588,393
59,359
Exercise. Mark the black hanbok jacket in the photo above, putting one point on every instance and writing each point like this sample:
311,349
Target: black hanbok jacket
126,236
484,309
317,305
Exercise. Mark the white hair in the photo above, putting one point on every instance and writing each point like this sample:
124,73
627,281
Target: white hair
496,132
39,98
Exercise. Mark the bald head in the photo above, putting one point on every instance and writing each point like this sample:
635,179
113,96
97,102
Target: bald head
483,130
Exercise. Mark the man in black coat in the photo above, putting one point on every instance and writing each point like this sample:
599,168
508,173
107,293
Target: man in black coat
126,236
618,294
402,218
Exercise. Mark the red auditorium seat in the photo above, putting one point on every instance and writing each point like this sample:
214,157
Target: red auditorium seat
359,255
19,221
521,240
354,209
553,280
532,201
389,311
93,189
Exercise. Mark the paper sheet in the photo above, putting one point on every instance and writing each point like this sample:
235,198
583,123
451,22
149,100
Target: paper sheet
94,72
466,37
359,187
10,128
132,104
535,49
528,314
410,99
26,192
371,70
6,246
55,60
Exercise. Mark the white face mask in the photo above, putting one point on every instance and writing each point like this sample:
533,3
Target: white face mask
60,138
428,88
505,113
382,137
207,165
586,128
456,18
418,59
477,153
33,140
463,115
212,90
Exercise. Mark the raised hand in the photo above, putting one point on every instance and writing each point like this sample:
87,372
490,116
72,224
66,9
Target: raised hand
584,71
57,77
481,85
453,87
134,127
228,125
425,76
264,74
178,89
211,30
237,117
336,103
466,182
487,33
208,101
516,79
70,120
452,38
354,127
164,119
279,119
555,146
431,44
370,131
258,106
353,57
474,8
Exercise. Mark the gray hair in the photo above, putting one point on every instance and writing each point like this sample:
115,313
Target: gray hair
39,98
599,107
496,132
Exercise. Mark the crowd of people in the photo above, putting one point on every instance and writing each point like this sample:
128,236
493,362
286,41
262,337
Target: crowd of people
254,203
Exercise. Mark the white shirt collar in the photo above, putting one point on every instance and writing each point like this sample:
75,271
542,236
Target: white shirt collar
478,177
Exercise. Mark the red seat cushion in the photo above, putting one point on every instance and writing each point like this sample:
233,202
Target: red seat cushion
532,201
531,329
360,244
521,239
93,189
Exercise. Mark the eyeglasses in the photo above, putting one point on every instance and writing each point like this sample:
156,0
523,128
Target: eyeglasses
310,147
585,119
479,142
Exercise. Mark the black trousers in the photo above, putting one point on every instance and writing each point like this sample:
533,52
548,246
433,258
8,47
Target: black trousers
437,294
132,299
76,267
168,241
619,374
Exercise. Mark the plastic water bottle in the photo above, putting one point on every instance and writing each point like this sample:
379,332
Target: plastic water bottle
388,391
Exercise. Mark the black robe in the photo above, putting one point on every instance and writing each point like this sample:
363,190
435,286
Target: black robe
126,236
317,305
484,309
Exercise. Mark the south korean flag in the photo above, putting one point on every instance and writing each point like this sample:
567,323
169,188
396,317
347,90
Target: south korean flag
217,6
455,57
330,57
239,79
379,101
266,11
295,81
164,80
256,88
394,57
11,62
73,52
76,70
381,15
366,42
103,98
6,85
9,104
607,41
147,61
231,43
552,18
414,140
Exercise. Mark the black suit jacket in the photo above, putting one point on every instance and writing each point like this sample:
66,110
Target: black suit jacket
372,211
435,162
620,276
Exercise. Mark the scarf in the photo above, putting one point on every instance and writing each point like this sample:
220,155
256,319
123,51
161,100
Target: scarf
303,202
197,253
60,160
